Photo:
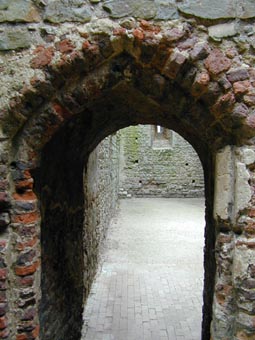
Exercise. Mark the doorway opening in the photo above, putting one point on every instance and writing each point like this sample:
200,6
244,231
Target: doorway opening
150,281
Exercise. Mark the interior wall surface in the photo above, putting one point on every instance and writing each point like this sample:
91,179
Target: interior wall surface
172,170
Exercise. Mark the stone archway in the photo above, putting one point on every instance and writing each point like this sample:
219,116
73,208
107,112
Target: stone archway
86,88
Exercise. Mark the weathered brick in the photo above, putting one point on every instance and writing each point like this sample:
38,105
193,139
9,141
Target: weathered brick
3,322
224,104
27,243
3,308
200,84
174,64
22,336
3,273
241,87
26,218
238,74
29,314
173,35
26,270
217,62
4,334
27,257
26,281
25,184
26,196
138,34
43,57
65,46
3,296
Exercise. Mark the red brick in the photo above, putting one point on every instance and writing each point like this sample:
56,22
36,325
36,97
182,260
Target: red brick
26,281
24,185
138,34
217,62
3,322
26,218
249,99
3,309
224,104
3,296
119,31
173,35
61,111
250,229
3,273
251,213
241,87
43,57
250,245
222,293
26,270
200,84
26,196
65,46
147,26
36,331
27,244
22,336
4,334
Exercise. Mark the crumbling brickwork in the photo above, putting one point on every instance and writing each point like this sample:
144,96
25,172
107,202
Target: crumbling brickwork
72,73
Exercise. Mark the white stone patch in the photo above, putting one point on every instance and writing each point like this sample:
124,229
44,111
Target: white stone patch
242,187
248,156
232,181
222,30
242,258
223,183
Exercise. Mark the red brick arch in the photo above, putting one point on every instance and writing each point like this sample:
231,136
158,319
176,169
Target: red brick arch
88,88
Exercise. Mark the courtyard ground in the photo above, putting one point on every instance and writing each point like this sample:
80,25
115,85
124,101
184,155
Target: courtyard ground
149,285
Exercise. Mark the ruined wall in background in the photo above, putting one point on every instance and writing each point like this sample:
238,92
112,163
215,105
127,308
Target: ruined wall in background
151,169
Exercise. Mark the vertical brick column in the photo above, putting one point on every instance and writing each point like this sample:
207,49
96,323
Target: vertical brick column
25,223
5,205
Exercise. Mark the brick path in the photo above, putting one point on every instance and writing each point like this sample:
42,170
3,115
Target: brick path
150,283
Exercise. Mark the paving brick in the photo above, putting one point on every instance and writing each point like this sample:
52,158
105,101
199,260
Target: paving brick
134,300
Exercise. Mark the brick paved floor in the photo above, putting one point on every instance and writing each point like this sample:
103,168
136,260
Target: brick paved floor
150,283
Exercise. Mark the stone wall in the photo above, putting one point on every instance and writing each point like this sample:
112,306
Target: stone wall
173,171
101,187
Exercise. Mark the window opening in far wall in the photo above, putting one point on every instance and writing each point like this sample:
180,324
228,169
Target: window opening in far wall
161,138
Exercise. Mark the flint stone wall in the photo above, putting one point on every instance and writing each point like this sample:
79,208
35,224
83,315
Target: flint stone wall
164,172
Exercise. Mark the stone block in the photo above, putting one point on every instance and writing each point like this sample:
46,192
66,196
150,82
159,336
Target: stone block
224,183
4,220
67,10
18,11
15,39
145,9
222,31
166,10
242,187
174,64
218,9
238,74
